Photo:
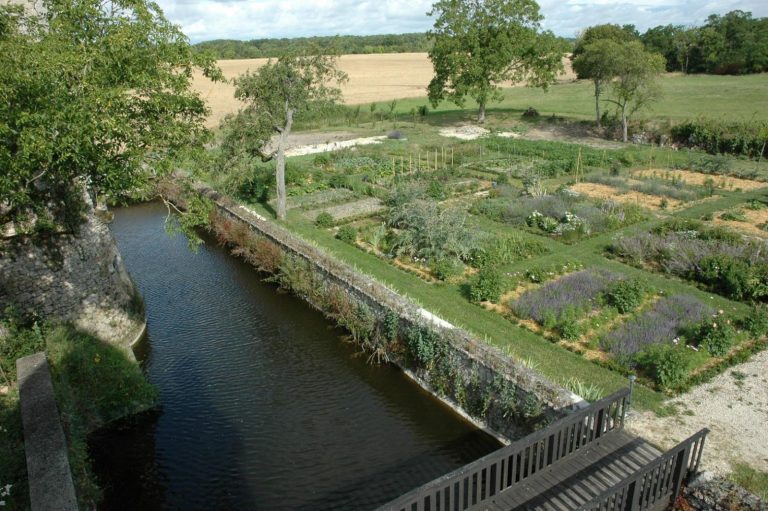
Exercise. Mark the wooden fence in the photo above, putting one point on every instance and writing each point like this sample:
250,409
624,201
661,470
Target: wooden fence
494,473
654,486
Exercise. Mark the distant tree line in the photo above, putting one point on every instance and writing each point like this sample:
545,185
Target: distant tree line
735,43
343,44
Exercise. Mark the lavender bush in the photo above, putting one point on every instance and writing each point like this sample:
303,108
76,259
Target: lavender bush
660,324
577,291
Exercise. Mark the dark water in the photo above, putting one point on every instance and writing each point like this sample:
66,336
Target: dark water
263,406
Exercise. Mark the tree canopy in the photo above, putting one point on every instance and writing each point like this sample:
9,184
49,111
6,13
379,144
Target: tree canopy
734,43
634,70
480,43
95,94
275,94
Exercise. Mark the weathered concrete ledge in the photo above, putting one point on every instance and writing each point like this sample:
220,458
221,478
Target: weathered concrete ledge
379,296
50,479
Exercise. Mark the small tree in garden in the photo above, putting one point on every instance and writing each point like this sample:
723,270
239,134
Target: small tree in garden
276,93
595,62
635,71
479,44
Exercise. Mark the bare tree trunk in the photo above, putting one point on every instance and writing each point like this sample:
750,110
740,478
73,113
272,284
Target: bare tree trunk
481,113
624,121
597,104
280,170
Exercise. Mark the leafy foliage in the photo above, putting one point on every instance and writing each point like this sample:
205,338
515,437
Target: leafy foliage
734,43
275,93
715,335
324,220
746,138
487,285
347,234
480,44
423,229
668,364
625,294
96,95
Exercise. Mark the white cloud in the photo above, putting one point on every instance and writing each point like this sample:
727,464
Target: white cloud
252,19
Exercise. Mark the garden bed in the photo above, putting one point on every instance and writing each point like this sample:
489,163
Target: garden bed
601,191
350,210
701,179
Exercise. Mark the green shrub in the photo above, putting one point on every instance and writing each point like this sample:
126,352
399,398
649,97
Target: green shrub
487,285
733,215
424,345
568,324
666,363
445,269
716,335
625,295
436,191
338,181
391,326
757,322
347,234
324,220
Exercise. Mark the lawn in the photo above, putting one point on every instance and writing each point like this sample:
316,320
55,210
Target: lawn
737,98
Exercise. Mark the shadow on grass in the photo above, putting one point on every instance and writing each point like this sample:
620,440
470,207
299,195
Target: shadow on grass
95,383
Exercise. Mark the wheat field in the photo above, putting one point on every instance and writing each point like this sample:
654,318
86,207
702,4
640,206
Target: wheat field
379,77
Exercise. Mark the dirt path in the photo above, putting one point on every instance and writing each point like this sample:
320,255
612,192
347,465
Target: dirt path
733,405
569,132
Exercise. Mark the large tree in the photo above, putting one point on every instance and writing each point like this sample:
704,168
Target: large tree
635,70
595,64
480,43
276,93
609,31
94,94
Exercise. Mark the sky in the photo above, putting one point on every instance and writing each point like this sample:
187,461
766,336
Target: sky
204,20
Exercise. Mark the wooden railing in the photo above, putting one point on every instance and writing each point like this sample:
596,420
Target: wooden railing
655,485
482,479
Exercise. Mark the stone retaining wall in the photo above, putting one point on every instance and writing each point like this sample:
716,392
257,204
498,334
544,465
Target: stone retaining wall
470,350
78,278
50,478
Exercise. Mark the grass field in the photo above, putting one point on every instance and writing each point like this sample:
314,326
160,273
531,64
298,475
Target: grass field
372,78
404,77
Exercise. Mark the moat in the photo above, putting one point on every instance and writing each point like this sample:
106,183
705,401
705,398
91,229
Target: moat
262,403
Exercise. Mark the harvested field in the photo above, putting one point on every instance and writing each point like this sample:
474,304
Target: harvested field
381,77
698,178
598,191
348,210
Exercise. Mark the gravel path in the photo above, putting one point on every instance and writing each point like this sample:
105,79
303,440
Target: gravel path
733,405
